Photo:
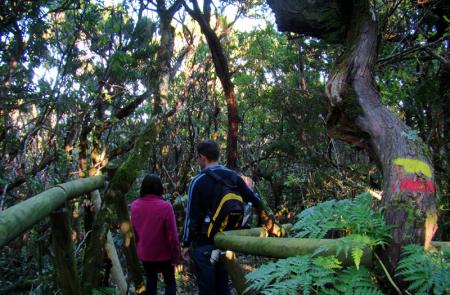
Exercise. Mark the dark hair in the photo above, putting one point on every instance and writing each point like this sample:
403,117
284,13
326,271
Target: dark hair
151,185
209,149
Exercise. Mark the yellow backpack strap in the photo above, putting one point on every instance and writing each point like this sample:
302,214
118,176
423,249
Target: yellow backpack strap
227,197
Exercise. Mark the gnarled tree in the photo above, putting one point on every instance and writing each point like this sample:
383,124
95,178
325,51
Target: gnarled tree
356,114
223,72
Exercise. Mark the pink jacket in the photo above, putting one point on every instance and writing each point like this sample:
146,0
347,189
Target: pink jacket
155,229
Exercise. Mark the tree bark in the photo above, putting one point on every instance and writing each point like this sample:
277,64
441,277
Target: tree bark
221,65
116,269
165,53
356,115
19,218
63,251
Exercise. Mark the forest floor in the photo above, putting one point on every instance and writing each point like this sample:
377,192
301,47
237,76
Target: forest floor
186,282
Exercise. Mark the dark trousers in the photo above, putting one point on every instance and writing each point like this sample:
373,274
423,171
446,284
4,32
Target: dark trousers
151,272
211,279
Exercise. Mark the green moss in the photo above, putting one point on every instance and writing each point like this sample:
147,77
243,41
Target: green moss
130,169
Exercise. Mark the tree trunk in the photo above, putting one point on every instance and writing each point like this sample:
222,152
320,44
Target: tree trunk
409,185
19,218
116,269
114,201
356,115
444,90
223,71
128,171
165,53
63,251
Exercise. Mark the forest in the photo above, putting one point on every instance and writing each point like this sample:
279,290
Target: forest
338,111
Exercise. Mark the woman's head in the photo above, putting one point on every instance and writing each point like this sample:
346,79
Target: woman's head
151,185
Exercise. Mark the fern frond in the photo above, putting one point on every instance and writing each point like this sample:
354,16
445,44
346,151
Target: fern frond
355,244
294,275
327,262
352,280
357,253
353,216
425,271
367,291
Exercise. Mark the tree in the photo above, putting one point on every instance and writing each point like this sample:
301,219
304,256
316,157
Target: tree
356,115
223,71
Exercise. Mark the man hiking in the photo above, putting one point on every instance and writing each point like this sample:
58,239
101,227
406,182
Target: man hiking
201,224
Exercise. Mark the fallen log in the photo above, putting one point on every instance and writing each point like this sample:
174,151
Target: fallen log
284,247
248,241
19,218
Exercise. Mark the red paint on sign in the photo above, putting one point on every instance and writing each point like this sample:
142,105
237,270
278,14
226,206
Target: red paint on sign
411,185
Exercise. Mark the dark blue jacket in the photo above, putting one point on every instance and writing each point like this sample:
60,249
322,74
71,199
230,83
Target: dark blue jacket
201,189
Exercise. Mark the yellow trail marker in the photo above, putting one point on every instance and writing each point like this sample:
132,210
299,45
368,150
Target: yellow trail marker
414,166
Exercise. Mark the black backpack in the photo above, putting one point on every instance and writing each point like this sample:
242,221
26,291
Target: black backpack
226,208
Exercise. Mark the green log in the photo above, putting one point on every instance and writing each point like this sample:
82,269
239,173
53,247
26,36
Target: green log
283,247
235,272
248,241
255,231
21,217
440,244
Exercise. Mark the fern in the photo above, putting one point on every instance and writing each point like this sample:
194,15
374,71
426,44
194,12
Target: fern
353,281
307,275
356,244
316,221
294,275
312,274
425,271
351,216
105,291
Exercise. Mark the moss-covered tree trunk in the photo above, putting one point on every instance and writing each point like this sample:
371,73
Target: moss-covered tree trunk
165,53
64,258
114,208
127,173
356,115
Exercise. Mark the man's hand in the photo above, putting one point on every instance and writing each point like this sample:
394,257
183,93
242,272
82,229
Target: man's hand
185,254
272,227
277,230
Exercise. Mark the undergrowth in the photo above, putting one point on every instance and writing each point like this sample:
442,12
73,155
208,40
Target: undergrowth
427,272
362,228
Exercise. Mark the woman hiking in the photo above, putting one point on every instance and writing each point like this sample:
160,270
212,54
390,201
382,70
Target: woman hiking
155,230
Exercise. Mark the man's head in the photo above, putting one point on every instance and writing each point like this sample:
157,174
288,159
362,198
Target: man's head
207,153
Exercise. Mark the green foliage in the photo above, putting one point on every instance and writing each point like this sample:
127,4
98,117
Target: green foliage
355,244
356,216
105,291
362,225
364,228
294,274
427,272
311,275
354,281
